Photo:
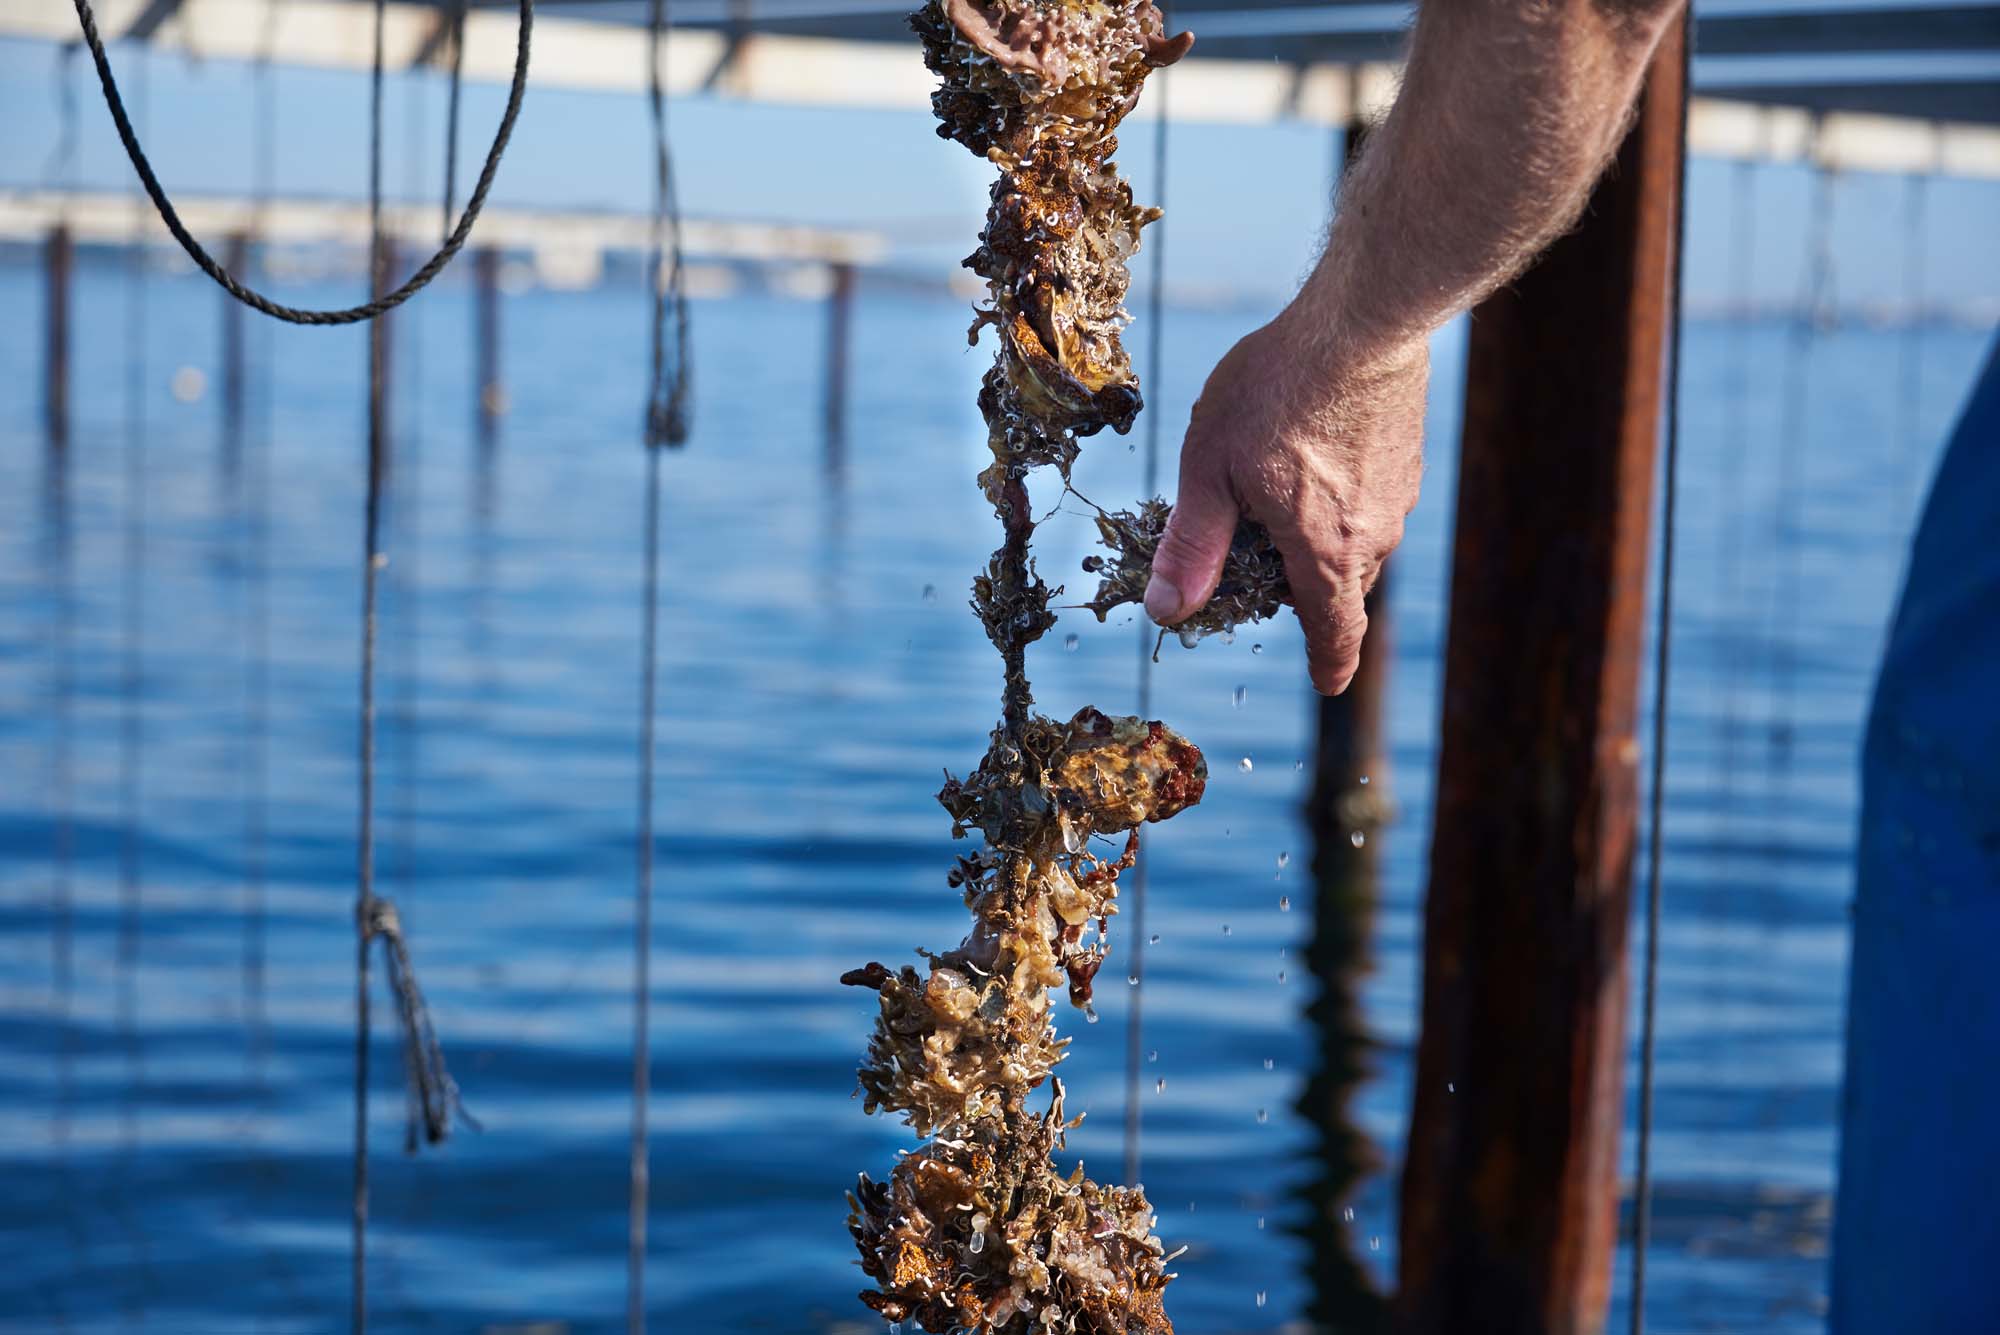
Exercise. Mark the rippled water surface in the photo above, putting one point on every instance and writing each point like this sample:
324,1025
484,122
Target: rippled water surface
175,1124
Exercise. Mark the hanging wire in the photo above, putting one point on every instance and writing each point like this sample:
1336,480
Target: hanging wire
1149,485
666,274
406,509
381,302
371,562
1642,1201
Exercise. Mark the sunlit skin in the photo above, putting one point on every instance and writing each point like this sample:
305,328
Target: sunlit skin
1313,424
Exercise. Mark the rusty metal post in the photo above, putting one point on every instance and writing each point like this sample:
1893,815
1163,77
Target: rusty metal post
60,256
1510,1182
236,259
491,395
1349,799
839,332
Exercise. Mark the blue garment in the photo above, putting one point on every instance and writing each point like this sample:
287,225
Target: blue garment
1916,1237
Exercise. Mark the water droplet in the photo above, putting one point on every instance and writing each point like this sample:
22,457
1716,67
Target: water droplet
1284,903
1364,781
1239,695
1160,1086
1374,1244
1358,838
1153,1056
1131,980
1244,764
1347,1215
1260,1297
1256,648
1284,860
1270,1063
1263,1116
1298,765
1069,643
930,593
976,1244
1260,1223
1155,940
1450,1088
1281,975
1225,929
1229,637
1090,1014
895,1328
1188,638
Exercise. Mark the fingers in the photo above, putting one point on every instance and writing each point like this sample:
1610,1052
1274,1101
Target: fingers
1330,604
1188,562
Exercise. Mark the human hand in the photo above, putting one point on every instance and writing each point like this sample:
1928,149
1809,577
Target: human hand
1321,446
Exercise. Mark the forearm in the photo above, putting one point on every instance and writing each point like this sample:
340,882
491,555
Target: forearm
1508,112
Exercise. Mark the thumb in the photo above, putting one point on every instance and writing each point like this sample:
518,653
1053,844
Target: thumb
1187,565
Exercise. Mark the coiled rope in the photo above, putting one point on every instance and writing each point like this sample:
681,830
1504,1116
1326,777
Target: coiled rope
1642,1202
380,302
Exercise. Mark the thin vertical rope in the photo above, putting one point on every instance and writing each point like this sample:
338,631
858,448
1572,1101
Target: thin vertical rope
254,521
642,951
1736,453
667,400
451,112
1149,484
1642,1203
406,512
364,908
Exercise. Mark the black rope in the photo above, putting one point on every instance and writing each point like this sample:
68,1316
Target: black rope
1149,484
667,400
1642,1201
451,114
365,911
380,303
642,976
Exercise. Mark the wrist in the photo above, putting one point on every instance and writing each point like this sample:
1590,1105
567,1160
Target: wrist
1338,346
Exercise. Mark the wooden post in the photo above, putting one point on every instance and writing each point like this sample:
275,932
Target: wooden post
839,331
491,394
1510,1182
236,259
1349,798
60,257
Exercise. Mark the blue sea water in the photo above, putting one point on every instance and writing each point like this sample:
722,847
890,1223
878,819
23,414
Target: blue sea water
175,1123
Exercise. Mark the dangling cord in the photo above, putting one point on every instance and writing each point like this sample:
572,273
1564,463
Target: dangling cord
667,401
364,907
451,112
257,301
1149,484
1642,1196
666,424
642,975
1737,452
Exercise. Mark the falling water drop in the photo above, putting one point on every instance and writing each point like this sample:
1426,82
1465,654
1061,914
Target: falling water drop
1244,764
1284,860
1260,1297
1229,637
1281,975
1132,979
1347,1215
930,593
1239,695
1256,648
1450,1088
1188,638
1090,1014
1225,929
1374,1244
1263,1116
1155,939
1260,1223
1364,781
1358,838
1069,643
1160,1085
1153,1056
1284,903
1270,1063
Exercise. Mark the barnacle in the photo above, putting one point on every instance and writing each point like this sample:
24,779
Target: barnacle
1253,585
977,1231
